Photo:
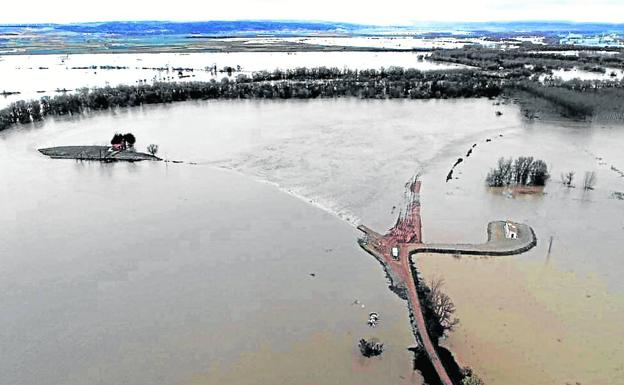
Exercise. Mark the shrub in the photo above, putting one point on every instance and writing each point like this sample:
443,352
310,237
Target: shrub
371,347
152,149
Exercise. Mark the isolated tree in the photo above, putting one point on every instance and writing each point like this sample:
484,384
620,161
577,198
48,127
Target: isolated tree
442,306
130,139
152,149
590,180
117,139
567,178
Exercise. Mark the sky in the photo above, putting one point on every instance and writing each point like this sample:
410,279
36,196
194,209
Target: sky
388,12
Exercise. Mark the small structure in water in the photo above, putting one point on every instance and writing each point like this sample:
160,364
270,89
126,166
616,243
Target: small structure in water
511,230
373,319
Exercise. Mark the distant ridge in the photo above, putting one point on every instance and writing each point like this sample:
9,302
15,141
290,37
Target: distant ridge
169,36
208,28
302,28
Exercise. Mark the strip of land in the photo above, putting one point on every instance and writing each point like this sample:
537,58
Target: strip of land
101,153
394,251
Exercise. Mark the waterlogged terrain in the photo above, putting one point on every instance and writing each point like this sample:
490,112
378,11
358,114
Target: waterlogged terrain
167,273
32,76
243,268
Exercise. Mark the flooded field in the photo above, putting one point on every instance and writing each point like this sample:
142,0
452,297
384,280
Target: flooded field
244,268
34,76
576,73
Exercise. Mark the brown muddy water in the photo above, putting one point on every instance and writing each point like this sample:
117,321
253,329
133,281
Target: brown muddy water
167,273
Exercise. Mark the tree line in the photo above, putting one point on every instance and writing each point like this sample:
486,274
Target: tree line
528,59
578,99
301,83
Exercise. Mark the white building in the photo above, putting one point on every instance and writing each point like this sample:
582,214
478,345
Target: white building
511,230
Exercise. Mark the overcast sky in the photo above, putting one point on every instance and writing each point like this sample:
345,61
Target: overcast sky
358,11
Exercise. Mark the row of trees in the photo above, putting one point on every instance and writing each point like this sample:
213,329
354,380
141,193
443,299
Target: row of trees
324,73
521,68
301,83
528,56
523,171
576,98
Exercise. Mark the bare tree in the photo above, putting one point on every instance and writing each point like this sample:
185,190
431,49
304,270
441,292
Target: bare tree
522,169
443,307
152,149
502,175
567,178
590,180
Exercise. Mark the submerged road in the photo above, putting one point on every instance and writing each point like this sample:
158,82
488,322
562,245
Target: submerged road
394,251
400,273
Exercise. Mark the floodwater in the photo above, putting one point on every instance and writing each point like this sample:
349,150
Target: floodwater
34,76
612,74
167,273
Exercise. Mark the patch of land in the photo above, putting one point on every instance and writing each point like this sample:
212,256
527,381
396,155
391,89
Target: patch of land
497,243
101,153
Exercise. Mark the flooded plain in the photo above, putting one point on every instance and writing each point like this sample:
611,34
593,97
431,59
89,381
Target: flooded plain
243,268
34,76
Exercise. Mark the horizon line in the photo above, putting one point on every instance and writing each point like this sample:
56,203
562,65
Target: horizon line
313,21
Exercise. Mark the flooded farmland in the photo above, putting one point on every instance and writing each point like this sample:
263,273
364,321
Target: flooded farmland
26,77
202,273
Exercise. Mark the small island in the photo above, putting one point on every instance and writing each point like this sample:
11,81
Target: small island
121,149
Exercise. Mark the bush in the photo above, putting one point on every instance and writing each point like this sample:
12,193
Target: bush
370,348
152,149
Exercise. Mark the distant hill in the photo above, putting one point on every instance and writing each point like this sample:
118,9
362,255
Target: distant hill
159,36
206,28
301,28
